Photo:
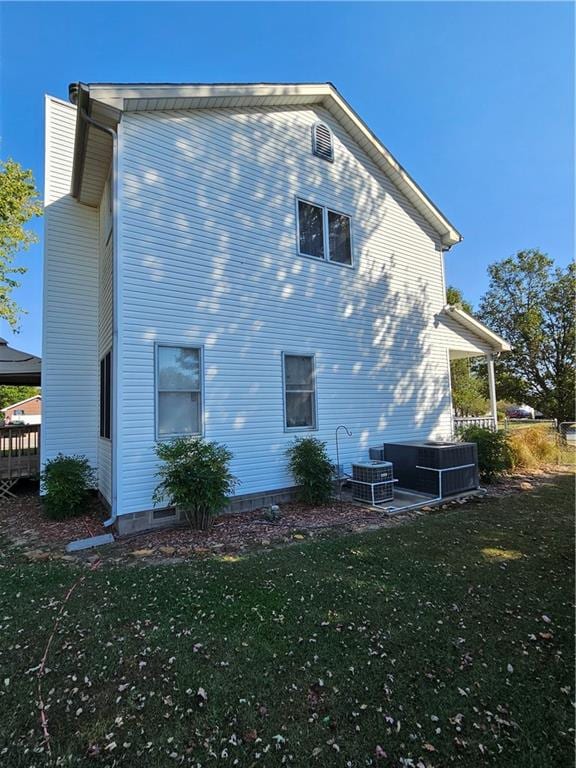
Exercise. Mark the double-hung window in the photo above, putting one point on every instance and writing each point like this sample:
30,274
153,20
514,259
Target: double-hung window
178,391
299,392
324,233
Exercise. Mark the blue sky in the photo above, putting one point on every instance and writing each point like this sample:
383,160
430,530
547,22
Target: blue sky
474,99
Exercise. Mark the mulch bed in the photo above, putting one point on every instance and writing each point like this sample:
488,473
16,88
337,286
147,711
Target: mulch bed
23,524
238,532
23,521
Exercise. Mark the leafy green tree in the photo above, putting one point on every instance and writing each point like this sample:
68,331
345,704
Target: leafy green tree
456,299
531,304
13,394
19,204
468,391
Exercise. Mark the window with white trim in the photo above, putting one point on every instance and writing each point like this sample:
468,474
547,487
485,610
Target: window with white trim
324,233
299,392
178,391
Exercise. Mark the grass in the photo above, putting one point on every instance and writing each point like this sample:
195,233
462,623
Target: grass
447,641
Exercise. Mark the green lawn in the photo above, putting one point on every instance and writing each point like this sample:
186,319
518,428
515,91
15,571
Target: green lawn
444,641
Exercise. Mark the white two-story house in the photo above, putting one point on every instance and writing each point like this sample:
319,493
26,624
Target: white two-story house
244,262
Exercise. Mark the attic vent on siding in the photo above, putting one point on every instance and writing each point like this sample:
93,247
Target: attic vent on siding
322,143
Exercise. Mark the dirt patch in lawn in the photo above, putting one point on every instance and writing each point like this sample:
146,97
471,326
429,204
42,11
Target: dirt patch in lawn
24,526
525,480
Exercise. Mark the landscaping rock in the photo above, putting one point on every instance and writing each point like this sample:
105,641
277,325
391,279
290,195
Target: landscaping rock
167,550
142,552
37,554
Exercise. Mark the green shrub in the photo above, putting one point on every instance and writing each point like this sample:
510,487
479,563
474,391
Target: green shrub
532,447
67,481
493,451
195,478
312,470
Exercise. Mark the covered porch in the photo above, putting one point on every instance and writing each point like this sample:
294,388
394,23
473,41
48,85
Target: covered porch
469,338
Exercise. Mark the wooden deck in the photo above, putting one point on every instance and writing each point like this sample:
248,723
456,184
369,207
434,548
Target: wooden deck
19,454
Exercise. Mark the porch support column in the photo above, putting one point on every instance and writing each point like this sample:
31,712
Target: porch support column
492,388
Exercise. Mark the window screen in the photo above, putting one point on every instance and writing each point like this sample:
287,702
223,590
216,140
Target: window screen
311,229
299,392
179,392
339,246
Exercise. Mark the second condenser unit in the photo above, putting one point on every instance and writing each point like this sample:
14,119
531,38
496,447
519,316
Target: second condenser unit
373,482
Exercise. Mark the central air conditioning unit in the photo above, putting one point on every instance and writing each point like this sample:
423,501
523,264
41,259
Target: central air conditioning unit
373,482
440,469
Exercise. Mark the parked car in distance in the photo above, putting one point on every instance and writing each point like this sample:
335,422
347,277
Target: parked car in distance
520,412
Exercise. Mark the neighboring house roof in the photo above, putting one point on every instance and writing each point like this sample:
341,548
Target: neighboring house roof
105,103
21,402
18,367
497,343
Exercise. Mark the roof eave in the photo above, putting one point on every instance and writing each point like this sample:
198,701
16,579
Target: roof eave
123,96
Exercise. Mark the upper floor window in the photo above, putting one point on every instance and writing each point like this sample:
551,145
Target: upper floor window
322,143
324,234
178,391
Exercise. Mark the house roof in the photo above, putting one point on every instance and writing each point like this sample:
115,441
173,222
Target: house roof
17,367
21,402
105,103
497,343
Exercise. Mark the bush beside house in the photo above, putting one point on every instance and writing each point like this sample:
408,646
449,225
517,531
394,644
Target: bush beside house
67,482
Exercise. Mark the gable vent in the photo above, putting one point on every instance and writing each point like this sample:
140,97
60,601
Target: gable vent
322,144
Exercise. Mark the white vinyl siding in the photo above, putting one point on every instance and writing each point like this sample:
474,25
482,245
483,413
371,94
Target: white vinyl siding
208,229
70,370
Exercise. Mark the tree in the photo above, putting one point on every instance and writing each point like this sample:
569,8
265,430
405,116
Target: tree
12,394
19,203
456,299
468,396
531,304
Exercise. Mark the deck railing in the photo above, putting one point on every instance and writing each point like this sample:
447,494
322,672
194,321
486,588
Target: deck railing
19,451
486,422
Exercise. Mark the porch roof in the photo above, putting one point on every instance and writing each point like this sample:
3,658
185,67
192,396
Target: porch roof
488,341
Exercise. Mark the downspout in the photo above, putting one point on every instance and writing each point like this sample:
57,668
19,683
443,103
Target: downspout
114,191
